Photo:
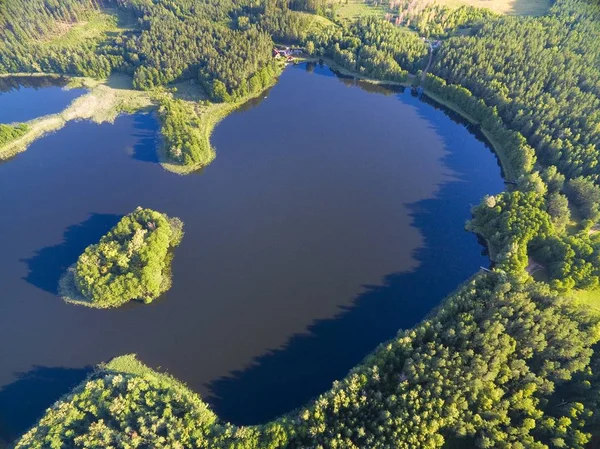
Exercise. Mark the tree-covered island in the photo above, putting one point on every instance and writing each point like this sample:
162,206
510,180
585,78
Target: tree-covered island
131,262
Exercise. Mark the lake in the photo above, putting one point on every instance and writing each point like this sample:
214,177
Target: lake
332,216
27,97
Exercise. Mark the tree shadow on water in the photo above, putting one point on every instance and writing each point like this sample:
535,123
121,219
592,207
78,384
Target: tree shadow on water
50,263
283,379
24,401
147,139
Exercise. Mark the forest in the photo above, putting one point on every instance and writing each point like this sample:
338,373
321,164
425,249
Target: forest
509,360
500,364
439,20
131,262
553,107
181,131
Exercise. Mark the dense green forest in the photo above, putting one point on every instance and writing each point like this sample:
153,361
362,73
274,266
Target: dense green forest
11,132
508,361
370,47
539,77
27,29
533,71
167,42
131,262
499,365
181,131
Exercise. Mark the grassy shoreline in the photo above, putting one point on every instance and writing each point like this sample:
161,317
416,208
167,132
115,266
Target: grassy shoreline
103,103
109,98
209,117
69,293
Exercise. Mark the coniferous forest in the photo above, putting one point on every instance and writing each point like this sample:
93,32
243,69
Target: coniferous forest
510,360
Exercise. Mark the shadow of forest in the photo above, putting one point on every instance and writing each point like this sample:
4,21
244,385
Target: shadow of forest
50,263
24,401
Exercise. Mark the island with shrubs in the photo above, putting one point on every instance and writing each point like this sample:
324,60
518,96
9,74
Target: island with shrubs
132,262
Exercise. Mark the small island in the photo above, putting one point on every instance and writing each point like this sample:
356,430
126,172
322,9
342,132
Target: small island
131,262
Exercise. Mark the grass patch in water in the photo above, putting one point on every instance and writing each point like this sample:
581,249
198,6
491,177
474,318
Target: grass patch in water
103,103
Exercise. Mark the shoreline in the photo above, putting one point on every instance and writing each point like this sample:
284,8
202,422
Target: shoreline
209,118
109,98
498,149
495,146
104,102
335,67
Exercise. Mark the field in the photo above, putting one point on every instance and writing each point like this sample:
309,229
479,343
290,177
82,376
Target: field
511,7
316,22
98,25
589,300
351,9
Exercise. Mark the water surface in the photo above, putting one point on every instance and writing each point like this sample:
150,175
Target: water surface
25,98
331,217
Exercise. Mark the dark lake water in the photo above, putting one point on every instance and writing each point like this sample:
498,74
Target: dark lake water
332,216
25,98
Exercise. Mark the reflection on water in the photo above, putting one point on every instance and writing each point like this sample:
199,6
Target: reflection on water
330,218
24,98
10,83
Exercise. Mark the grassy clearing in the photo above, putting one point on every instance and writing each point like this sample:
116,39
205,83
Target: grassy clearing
510,7
72,35
100,24
353,9
103,103
315,21
190,91
588,300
